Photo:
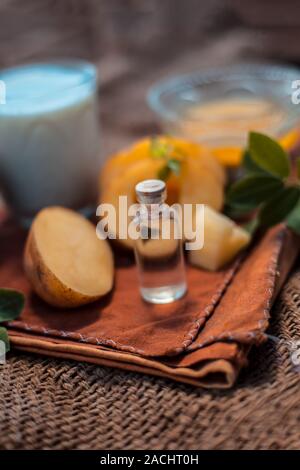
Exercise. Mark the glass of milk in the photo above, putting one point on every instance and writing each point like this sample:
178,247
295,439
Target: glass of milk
49,137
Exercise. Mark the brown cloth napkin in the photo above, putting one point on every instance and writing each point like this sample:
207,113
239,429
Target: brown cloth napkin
202,339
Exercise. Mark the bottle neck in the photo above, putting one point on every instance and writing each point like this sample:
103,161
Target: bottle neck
153,211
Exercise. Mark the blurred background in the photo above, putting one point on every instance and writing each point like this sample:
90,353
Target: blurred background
134,43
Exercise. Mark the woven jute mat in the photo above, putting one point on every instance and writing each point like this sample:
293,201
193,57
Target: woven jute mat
52,404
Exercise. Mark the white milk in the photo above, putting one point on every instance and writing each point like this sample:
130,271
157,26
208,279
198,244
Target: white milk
49,137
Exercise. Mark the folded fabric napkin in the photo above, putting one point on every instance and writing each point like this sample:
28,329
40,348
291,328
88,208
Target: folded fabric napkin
202,339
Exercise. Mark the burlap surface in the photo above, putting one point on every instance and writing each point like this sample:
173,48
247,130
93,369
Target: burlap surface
46,403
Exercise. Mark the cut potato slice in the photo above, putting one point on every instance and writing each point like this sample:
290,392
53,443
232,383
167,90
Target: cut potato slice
223,239
65,262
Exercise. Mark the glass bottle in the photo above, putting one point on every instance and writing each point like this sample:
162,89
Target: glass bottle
158,248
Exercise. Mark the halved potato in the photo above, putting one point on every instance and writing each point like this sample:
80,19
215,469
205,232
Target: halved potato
65,262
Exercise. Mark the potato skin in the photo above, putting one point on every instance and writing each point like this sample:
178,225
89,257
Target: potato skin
45,284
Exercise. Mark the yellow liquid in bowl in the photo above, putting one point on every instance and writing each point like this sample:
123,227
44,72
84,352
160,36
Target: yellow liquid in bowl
224,125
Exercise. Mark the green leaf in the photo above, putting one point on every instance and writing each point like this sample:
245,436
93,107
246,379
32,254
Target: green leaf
293,220
4,337
11,304
253,190
298,167
252,225
164,173
174,165
159,149
249,165
268,155
235,211
279,206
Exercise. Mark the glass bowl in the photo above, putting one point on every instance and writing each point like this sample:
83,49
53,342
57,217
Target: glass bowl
218,107
49,137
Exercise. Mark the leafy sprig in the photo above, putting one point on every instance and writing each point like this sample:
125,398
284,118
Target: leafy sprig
11,306
172,157
269,186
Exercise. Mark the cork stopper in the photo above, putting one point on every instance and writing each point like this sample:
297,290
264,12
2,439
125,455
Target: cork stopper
151,191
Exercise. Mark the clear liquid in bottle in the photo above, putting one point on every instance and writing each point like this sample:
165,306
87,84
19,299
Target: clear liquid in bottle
158,250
